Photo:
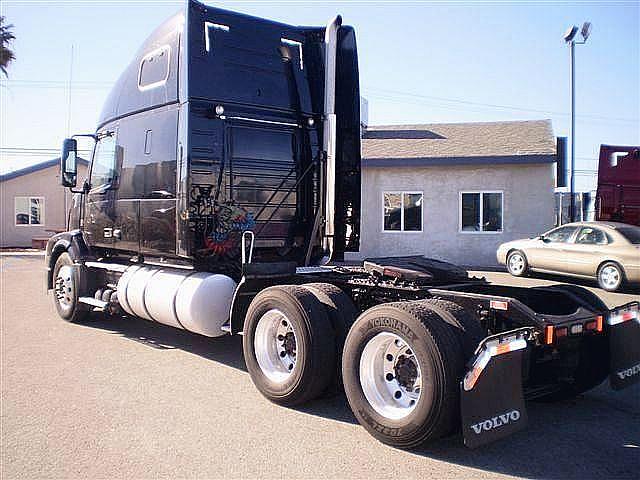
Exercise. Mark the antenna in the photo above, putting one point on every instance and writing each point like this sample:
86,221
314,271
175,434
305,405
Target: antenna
69,93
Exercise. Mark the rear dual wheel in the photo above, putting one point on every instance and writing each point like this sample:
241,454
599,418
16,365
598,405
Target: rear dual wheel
402,365
292,340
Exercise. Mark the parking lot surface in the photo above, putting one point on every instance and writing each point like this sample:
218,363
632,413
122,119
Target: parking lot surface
124,398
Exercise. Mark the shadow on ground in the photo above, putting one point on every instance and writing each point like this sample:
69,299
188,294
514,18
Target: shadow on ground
595,435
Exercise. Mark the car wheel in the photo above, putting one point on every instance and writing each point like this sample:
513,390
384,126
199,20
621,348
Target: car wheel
517,263
610,276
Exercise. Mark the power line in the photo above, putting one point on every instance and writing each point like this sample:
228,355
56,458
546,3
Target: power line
395,96
390,94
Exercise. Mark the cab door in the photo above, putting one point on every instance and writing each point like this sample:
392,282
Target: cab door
100,211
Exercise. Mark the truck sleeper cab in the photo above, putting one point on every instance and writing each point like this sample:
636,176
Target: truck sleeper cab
225,184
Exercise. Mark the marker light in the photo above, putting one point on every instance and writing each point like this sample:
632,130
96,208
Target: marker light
576,329
548,334
561,332
624,314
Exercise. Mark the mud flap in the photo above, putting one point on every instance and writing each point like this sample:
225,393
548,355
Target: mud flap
492,399
624,341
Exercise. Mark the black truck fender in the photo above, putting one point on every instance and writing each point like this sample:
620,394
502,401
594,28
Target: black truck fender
71,242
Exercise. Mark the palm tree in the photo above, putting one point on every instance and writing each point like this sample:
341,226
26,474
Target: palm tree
6,54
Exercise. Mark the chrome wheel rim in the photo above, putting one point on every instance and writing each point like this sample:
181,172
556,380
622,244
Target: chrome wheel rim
516,263
390,376
65,287
275,346
610,276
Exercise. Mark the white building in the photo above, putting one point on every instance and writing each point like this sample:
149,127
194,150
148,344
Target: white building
455,192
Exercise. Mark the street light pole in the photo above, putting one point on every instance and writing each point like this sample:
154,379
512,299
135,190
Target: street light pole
572,204
569,37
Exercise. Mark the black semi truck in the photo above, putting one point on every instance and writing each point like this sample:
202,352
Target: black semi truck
223,192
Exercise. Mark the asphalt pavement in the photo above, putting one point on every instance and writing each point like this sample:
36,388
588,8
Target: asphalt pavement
125,398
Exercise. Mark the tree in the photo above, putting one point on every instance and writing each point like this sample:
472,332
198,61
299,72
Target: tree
6,54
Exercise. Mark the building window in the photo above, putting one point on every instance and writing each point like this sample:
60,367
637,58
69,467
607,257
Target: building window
402,211
29,210
481,212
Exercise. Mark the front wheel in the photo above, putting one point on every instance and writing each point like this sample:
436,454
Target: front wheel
517,263
67,278
610,277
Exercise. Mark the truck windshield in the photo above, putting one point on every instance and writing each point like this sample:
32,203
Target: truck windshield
632,234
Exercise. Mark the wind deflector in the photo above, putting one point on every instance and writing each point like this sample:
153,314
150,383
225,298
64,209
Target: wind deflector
242,59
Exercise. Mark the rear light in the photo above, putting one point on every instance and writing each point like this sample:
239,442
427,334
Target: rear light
561,332
624,314
548,334
576,329
599,323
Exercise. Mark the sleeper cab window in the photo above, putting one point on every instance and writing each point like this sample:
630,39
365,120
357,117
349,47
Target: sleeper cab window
154,68
29,210
481,212
402,211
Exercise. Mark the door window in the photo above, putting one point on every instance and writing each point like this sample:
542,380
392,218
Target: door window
103,168
560,235
591,236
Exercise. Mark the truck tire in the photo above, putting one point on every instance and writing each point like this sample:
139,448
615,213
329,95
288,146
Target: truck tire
67,284
389,352
585,295
517,264
342,313
470,332
289,345
340,309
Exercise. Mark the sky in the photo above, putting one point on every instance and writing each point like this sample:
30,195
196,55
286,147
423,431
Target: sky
420,62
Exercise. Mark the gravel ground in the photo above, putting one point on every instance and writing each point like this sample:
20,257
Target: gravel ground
123,398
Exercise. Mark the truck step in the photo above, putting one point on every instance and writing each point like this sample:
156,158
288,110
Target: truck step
99,305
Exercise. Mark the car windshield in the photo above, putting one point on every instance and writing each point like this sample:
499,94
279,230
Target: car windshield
632,234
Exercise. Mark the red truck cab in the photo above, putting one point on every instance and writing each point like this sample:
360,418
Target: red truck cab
618,196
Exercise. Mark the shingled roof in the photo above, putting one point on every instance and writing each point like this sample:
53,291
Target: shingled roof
36,168
529,141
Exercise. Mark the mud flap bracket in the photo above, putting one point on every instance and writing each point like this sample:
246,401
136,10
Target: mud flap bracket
491,394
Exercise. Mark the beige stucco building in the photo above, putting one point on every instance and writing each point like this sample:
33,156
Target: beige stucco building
455,192
33,203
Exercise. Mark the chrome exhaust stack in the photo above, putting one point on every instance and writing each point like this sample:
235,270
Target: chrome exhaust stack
329,132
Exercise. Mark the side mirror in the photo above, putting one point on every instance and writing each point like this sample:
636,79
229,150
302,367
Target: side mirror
69,163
